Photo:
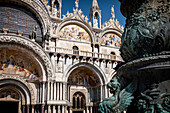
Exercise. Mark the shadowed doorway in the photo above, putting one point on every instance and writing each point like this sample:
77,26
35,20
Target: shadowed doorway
8,107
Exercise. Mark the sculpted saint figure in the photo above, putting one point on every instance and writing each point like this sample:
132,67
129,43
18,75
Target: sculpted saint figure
76,4
113,12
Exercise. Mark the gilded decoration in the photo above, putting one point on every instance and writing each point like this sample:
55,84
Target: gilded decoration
111,39
86,77
74,32
13,62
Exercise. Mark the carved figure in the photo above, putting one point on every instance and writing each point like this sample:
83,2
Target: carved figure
55,11
153,102
113,12
76,4
95,23
47,35
120,100
146,33
34,33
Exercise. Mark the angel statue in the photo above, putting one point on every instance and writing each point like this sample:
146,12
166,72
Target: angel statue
120,100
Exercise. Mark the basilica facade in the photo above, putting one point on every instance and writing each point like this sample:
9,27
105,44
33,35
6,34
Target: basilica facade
53,63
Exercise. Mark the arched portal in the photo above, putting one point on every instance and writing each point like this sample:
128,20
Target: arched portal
16,95
84,89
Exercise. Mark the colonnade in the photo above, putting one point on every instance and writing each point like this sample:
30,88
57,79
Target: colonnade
52,96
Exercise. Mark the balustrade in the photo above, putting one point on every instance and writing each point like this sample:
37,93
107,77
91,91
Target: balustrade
84,53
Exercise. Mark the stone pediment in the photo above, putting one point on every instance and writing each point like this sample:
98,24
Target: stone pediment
112,24
76,15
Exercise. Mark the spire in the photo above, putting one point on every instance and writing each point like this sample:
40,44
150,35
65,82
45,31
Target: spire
95,4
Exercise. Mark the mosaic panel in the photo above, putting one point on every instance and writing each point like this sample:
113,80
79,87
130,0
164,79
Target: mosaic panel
83,77
74,32
14,62
111,39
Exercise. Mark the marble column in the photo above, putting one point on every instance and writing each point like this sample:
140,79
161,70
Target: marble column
64,89
51,91
80,102
28,108
61,90
87,109
101,91
43,91
48,96
91,109
58,91
23,108
58,109
32,108
42,109
38,93
49,109
106,91
68,92
54,90
54,110
63,109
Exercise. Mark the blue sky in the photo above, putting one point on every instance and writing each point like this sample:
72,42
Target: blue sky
104,5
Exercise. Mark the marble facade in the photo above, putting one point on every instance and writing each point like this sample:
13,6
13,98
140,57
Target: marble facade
65,68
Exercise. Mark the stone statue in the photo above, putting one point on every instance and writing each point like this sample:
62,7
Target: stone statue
76,4
120,100
55,11
95,24
46,37
34,33
113,12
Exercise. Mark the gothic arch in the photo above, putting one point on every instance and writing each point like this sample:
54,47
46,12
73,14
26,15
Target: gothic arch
100,74
77,22
28,45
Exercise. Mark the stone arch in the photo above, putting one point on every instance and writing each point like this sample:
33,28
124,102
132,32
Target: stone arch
100,74
22,84
78,23
14,40
38,8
